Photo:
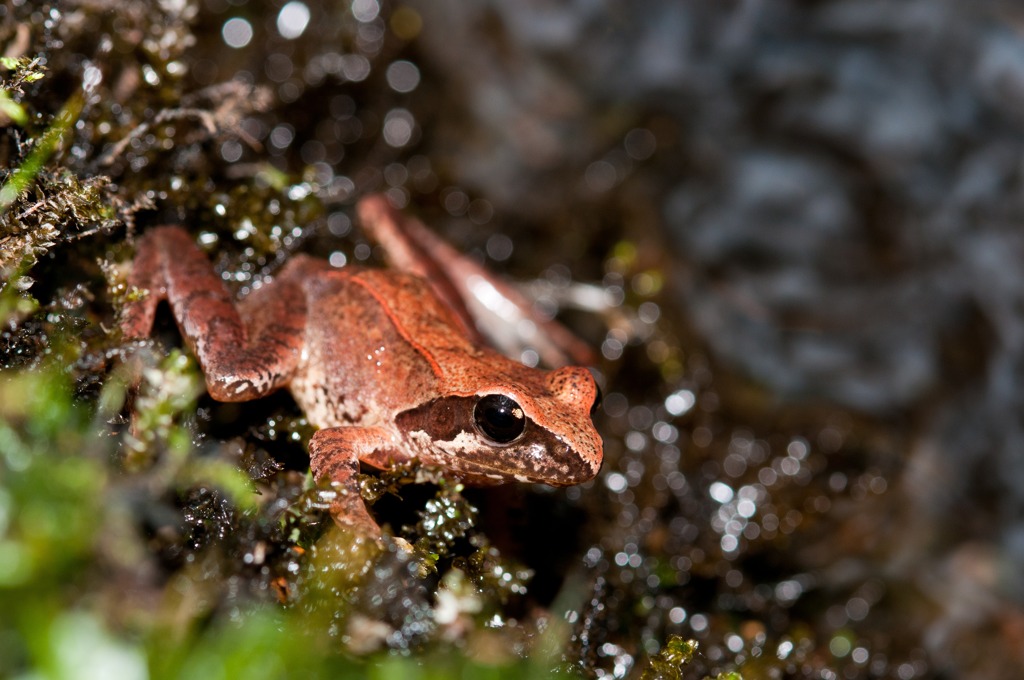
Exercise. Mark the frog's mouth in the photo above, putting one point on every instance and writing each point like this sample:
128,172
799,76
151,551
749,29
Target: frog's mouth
479,462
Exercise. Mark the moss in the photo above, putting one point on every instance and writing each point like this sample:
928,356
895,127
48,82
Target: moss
22,71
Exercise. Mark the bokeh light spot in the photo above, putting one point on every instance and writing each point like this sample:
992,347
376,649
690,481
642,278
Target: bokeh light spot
398,127
365,10
640,144
680,402
720,492
406,22
292,20
355,67
499,247
237,32
403,76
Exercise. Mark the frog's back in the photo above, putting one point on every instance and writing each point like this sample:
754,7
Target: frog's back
371,341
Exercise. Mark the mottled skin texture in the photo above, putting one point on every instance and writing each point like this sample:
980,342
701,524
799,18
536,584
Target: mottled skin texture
386,370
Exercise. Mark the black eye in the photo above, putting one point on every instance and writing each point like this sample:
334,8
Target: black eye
499,417
597,402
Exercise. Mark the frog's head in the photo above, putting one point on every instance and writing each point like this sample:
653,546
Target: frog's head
531,426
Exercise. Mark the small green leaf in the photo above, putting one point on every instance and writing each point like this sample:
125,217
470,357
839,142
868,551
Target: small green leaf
12,109
22,178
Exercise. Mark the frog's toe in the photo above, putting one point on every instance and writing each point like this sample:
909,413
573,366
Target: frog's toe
351,513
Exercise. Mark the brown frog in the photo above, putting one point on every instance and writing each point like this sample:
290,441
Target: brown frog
384,368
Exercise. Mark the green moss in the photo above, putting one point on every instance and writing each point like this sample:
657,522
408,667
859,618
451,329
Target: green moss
45,145
53,492
669,662
20,71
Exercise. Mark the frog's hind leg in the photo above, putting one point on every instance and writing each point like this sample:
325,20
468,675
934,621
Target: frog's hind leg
149,287
478,298
240,361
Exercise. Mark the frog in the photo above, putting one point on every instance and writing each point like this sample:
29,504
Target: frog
385,362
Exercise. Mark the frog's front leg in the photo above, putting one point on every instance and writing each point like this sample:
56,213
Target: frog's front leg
334,453
241,358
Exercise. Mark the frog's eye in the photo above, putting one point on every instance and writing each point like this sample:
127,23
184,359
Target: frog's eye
500,418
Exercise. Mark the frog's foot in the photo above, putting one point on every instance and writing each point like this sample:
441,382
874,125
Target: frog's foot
334,454
349,512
